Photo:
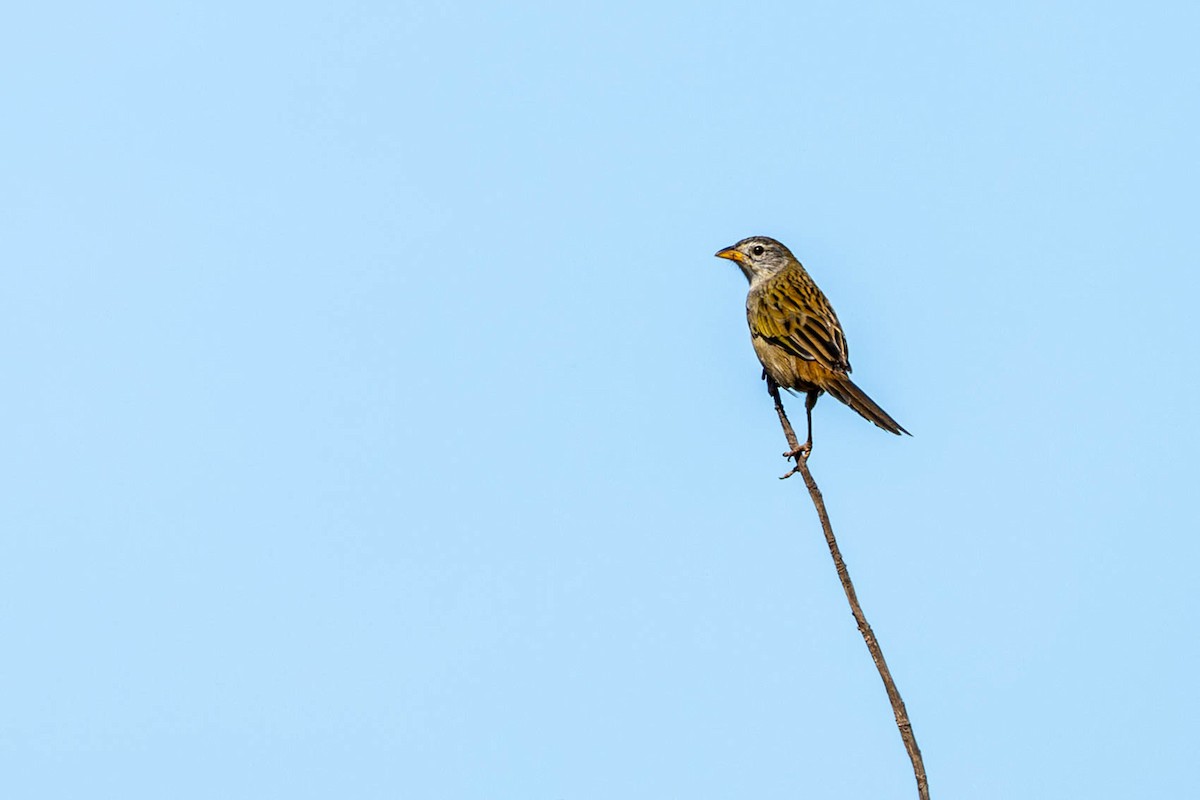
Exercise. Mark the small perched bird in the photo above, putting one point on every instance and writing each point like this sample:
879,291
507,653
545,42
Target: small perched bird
795,333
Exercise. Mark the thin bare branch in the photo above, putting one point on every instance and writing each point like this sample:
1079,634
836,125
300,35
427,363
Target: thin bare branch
902,721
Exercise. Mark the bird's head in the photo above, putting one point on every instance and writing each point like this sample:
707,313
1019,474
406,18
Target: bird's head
758,257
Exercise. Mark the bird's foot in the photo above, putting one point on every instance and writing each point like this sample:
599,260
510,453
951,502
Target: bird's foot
803,450
800,454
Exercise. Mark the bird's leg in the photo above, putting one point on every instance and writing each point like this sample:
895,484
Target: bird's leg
810,402
805,449
798,451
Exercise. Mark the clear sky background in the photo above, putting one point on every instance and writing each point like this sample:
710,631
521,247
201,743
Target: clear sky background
378,424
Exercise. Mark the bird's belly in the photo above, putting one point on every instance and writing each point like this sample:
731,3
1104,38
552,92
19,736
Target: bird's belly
787,370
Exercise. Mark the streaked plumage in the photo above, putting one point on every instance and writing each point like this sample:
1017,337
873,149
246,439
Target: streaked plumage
795,331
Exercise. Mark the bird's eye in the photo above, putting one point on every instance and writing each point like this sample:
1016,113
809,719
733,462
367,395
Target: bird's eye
757,250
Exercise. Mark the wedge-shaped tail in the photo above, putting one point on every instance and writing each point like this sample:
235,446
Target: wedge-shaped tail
844,389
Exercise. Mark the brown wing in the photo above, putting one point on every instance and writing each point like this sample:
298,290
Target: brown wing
794,314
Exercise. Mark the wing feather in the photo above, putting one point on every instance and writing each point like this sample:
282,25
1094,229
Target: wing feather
791,312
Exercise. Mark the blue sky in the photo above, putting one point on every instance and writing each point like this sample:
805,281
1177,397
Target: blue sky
379,423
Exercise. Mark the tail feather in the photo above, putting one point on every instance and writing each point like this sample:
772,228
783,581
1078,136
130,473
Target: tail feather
845,390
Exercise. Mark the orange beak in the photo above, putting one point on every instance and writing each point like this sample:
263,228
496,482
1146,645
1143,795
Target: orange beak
732,255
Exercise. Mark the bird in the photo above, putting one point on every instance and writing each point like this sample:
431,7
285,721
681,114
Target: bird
796,333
